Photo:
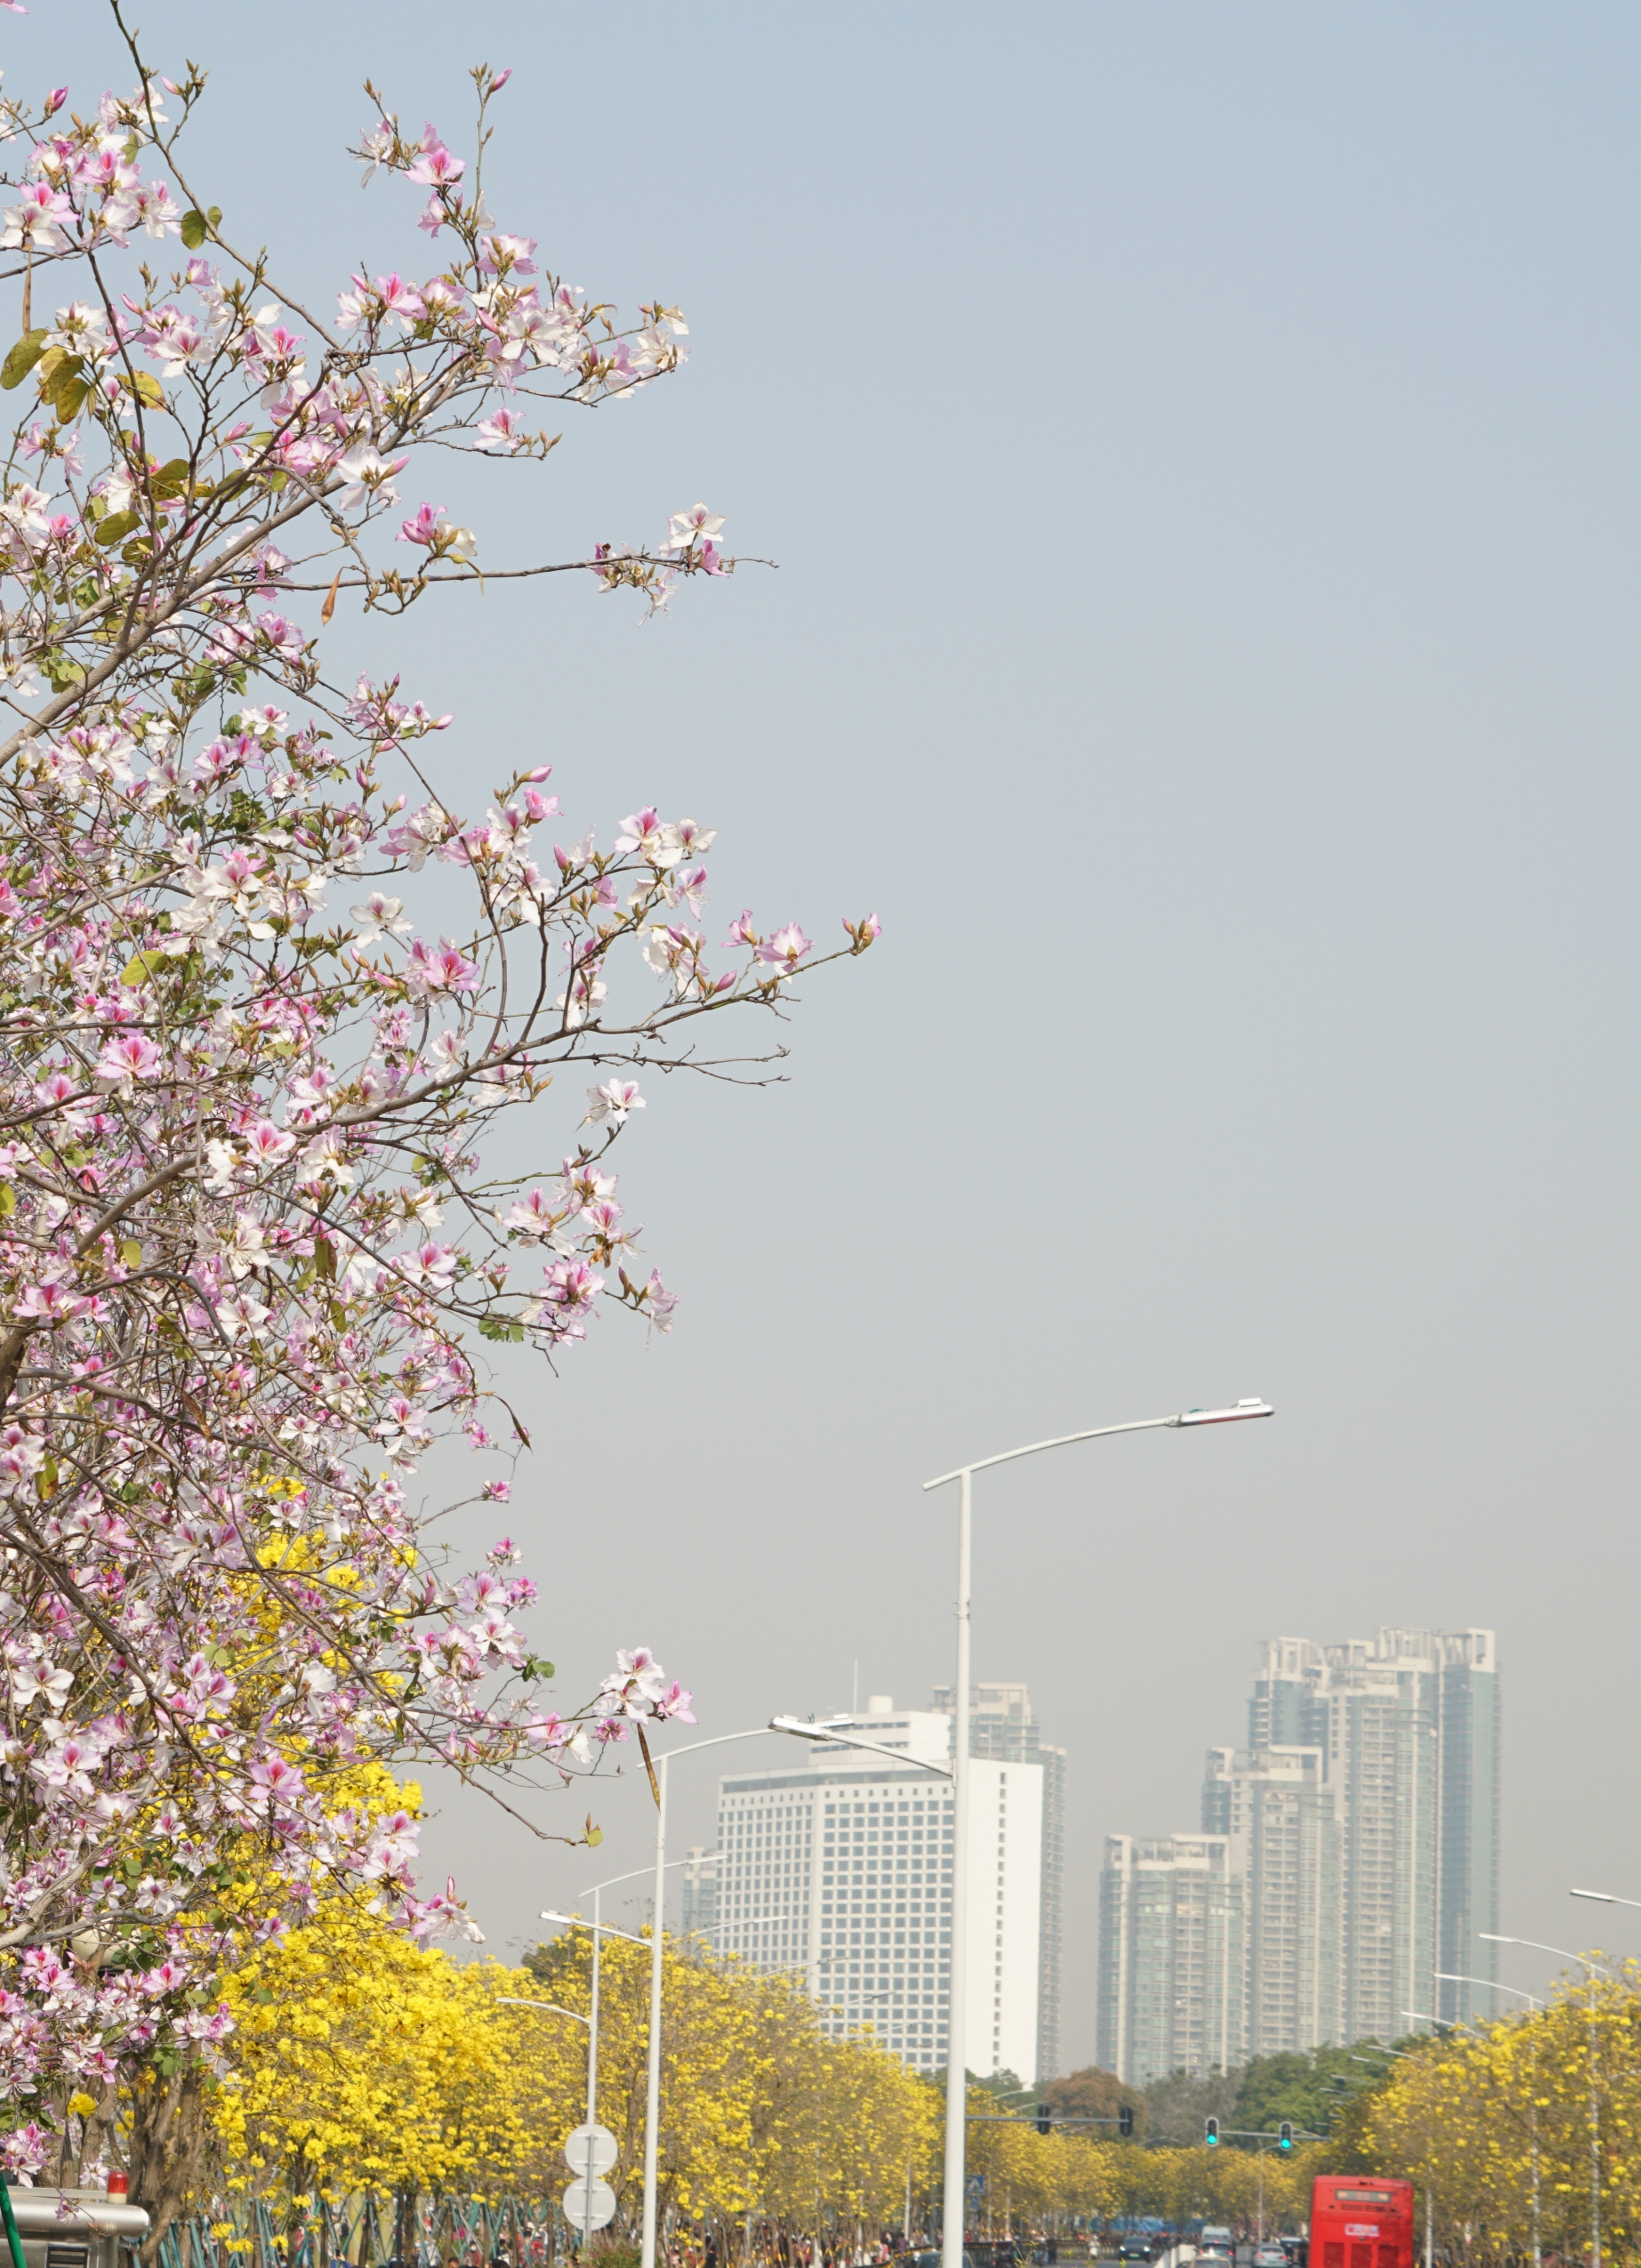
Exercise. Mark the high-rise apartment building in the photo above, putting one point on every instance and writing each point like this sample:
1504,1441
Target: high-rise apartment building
1171,1957
1470,1720
843,1871
1409,1724
1361,1825
1001,1724
1277,1813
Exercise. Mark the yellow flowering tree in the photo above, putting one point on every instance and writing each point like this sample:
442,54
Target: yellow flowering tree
1526,2130
361,2060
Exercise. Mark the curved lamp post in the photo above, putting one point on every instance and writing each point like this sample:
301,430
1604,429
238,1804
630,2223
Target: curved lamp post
1595,2101
956,2048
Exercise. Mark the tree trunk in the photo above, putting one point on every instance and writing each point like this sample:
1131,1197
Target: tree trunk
169,2133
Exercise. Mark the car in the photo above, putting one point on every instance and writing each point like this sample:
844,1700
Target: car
1268,2255
1134,2248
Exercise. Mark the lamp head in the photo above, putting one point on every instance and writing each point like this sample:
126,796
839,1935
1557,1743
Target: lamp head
1251,1408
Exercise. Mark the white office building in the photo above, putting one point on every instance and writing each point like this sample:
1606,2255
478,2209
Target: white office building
842,1871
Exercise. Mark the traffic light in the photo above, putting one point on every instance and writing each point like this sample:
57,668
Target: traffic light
1284,2134
1045,2116
1125,2121
1211,2132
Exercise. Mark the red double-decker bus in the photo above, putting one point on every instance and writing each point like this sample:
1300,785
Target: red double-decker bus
1357,2221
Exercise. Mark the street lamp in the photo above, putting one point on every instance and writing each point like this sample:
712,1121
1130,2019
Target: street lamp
601,1930
1516,1993
831,1735
1451,1976
652,2090
1595,2101
505,2000
956,2051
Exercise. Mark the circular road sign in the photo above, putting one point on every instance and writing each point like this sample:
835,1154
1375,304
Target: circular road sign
591,2150
589,2205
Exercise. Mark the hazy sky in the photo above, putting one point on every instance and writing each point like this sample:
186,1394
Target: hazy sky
1199,444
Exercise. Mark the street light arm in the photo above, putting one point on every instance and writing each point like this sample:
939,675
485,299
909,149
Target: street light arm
830,1737
1490,1983
600,1928
504,2001
1560,1951
1604,1897
705,1858
1252,1408
717,1741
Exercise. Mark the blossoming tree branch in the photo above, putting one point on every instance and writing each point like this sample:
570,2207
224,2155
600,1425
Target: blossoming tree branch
248,1238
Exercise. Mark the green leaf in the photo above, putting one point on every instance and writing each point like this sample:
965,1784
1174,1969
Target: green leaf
49,369
8,1200
117,528
69,399
22,358
146,387
194,227
131,1252
172,479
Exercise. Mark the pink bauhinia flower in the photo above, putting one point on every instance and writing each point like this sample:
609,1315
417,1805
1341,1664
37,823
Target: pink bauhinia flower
434,165
784,950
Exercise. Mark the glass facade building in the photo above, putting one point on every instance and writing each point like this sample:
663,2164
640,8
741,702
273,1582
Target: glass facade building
1171,1957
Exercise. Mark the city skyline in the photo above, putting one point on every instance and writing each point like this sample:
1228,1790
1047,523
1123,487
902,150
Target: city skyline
1347,1871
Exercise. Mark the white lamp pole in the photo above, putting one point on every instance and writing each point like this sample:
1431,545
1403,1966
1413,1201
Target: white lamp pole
601,1930
652,2092
956,2044
1595,2099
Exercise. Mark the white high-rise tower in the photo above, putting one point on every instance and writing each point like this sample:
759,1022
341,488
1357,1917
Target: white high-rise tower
842,1871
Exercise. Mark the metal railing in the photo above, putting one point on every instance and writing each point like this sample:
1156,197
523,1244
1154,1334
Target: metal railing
370,2231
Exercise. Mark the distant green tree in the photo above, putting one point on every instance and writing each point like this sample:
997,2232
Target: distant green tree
1177,2106
1094,2093
1313,2091
991,2082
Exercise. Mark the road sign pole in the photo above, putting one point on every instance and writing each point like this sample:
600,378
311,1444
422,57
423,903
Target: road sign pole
590,2202
593,2046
